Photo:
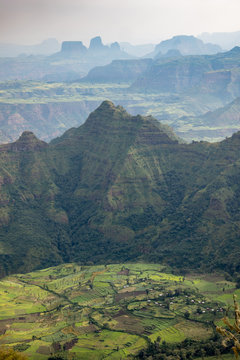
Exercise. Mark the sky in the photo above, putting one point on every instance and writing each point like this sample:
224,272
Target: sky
136,21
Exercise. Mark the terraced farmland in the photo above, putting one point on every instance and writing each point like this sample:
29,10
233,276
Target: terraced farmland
107,312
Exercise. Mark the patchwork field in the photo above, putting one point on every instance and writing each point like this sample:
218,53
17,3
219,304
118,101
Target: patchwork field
107,312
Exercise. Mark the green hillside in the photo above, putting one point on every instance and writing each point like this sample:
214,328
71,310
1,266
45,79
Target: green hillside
112,312
119,188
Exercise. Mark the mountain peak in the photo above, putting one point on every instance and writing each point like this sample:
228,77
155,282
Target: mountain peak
235,50
118,180
107,112
96,43
109,120
27,135
28,141
187,45
107,104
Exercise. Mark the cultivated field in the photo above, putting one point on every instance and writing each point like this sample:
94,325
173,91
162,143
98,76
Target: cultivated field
107,312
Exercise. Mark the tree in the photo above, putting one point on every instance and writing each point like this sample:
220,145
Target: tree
10,354
238,282
203,353
187,314
232,335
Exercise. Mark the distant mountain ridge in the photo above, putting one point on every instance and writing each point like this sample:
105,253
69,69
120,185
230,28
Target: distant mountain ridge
186,45
118,71
70,63
119,188
75,60
168,87
76,49
47,47
216,74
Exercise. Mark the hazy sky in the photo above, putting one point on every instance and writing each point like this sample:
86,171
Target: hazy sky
136,21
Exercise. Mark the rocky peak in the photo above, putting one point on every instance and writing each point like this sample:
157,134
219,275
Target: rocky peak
28,142
116,119
107,105
104,113
96,43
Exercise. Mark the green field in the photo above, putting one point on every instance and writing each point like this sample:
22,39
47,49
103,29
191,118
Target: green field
107,312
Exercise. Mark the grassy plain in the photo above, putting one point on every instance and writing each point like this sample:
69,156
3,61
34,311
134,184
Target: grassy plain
107,312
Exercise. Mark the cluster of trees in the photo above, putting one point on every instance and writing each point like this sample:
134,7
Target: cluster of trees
186,350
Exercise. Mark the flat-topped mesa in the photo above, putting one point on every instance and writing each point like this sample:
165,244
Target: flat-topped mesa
27,142
76,49
73,47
